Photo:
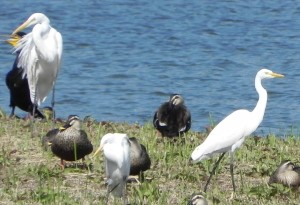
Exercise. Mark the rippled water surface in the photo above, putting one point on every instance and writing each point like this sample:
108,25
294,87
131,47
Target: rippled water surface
123,58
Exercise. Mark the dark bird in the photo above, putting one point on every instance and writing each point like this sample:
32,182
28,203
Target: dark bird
172,118
17,84
47,139
71,143
287,174
139,158
197,199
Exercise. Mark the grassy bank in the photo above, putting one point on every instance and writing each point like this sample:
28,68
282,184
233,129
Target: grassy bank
31,175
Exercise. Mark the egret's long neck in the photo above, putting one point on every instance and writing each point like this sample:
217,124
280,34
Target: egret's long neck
42,32
40,37
259,110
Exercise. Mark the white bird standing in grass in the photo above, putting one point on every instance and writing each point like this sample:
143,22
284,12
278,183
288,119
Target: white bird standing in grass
116,148
230,133
40,56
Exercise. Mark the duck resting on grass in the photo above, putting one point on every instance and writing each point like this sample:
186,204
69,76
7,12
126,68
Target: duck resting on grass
287,174
172,118
197,199
69,142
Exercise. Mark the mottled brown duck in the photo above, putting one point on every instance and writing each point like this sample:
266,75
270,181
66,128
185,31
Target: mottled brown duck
71,143
287,174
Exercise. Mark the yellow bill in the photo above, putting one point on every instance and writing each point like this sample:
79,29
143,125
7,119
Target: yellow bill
61,128
14,40
276,75
98,150
23,26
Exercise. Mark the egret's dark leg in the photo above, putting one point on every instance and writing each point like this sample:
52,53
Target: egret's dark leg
231,170
52,106
213,171
12,111
32,119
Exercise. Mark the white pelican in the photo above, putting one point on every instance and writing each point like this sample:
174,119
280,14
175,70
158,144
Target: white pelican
40,56
230,133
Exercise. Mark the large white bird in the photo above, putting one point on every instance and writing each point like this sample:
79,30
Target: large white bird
116,149
40,56
230,133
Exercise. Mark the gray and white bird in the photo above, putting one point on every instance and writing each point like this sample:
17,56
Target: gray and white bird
139,158
287,174
172,118
197,199
116,148
70,143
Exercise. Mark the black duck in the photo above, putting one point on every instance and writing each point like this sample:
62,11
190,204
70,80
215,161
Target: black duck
172,118
139,158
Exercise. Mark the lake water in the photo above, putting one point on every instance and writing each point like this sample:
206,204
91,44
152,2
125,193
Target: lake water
123,58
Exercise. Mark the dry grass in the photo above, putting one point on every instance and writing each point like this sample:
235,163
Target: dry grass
31,175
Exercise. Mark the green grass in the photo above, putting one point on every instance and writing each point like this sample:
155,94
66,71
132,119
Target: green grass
30,175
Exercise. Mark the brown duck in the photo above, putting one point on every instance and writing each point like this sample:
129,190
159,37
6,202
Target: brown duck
287,174
71,143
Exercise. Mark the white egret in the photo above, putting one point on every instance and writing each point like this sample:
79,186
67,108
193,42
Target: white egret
69,142
230,133
18,84
40,56
116,149
287,174
172,118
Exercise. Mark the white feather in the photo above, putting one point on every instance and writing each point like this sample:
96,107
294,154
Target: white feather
116,149
40,56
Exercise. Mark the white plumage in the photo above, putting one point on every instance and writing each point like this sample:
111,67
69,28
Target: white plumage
230,133
116,148
40,56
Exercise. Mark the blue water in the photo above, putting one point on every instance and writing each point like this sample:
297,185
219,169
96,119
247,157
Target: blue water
123,58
